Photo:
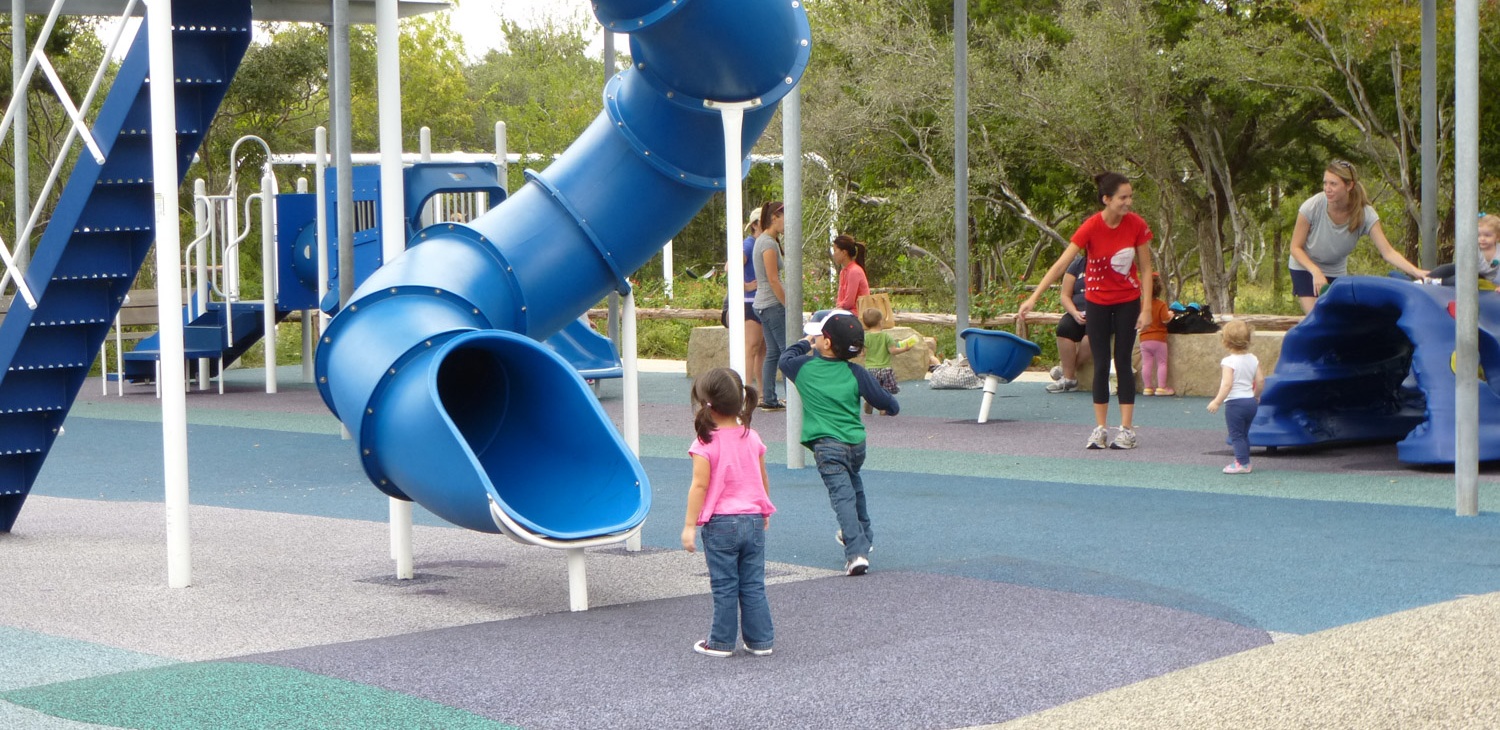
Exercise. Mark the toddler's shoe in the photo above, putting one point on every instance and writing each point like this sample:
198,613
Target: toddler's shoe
1125,439
703,648
759,652
1148,391
1164,391
1237,468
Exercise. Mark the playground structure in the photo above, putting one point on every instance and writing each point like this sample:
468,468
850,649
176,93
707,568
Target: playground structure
431,365
999,357
1374,361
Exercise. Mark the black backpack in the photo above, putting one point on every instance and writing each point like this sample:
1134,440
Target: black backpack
1193,319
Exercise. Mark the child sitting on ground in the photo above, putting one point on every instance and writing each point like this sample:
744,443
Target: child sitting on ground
879,347
1154,343
1239,391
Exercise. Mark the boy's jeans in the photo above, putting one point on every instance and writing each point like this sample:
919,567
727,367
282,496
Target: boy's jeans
773,329
735,548
839,465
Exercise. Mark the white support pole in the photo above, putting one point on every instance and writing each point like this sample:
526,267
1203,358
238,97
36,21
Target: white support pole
502,158
666,273
203,219
632,391
1466,230
424,153
320,184
578,580
791,176
307,318
732,114
392,218
22,139
268,194
991,384
169,294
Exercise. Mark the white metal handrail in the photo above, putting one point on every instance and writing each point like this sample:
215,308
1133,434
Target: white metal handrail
79,127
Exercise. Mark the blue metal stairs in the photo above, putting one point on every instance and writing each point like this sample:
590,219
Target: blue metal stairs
206,336
99,235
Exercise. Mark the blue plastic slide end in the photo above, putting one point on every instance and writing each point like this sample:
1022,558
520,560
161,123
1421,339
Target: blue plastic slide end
494,414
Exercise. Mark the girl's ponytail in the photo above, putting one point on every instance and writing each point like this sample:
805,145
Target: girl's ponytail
747,408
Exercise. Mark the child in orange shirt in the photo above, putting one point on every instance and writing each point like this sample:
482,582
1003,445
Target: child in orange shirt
1154,343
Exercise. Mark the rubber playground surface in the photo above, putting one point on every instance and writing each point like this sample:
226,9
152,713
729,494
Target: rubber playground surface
1018,579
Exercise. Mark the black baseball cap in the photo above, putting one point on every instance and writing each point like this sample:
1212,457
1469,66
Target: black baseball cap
842,329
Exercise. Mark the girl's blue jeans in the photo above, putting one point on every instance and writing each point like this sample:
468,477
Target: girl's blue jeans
735,548
1238,414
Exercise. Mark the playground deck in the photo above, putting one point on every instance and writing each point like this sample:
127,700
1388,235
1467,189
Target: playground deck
1016,573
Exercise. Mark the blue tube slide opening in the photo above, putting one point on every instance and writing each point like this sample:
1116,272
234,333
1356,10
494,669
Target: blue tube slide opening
435,365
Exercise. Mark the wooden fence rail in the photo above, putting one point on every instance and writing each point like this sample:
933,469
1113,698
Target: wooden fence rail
1264,322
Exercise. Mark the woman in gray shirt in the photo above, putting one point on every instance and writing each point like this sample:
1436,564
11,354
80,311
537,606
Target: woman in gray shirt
770,298
1329,225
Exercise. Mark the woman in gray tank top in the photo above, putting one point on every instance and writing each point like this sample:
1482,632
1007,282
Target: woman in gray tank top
770,298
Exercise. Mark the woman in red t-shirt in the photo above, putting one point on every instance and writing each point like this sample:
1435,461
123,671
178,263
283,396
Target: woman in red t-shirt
1117,285
849,256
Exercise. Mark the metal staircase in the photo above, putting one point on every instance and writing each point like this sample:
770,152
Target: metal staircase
99,235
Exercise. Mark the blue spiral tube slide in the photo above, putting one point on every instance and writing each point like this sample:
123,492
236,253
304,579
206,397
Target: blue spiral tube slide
436,365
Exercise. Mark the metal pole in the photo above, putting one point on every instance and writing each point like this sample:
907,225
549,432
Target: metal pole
320,150
392,217
732,115
961,167
203,211
172,367
501,156
268,271
1429,134
612,324
631,382
21,141
343,142
1466,211
791,183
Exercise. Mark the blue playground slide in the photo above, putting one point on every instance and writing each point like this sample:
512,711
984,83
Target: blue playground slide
1373,361
435,365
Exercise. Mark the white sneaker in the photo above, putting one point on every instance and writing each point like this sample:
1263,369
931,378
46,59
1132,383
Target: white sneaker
1056,372
1062,386
858,566
1099,439
1125,439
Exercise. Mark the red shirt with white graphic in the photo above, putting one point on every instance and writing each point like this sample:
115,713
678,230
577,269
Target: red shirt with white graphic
1110,277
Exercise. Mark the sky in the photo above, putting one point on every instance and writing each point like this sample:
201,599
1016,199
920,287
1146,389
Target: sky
478,21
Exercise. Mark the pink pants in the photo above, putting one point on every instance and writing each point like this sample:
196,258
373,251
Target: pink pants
1154,362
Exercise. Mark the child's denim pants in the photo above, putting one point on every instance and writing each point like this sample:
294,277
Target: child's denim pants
735,548
839,464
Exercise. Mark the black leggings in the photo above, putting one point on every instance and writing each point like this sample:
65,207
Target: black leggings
1106,324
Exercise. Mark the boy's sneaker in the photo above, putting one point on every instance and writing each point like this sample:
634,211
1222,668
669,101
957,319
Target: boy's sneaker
1237,468
1099,439
1125,439
1056,372
703,648
840,537
759,652
773,406
858,566
1064,385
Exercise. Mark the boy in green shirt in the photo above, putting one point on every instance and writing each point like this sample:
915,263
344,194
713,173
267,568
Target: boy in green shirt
879,347
831,387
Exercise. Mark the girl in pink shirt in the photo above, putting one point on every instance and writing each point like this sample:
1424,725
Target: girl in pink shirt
730,505
849,256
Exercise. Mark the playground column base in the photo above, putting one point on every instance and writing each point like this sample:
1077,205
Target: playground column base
578,581
991,384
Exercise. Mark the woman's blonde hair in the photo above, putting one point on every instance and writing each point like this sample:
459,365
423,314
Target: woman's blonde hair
1236,335
1358,197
